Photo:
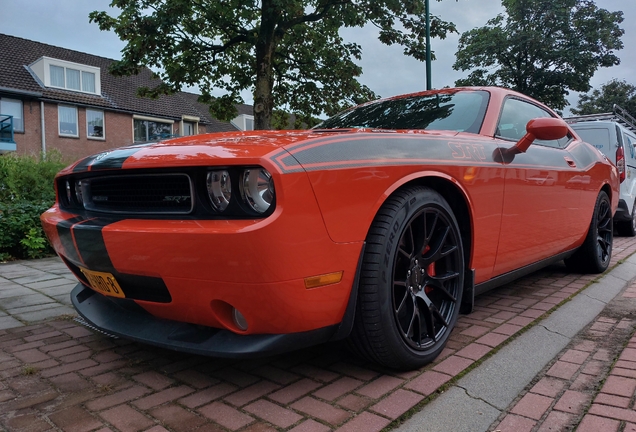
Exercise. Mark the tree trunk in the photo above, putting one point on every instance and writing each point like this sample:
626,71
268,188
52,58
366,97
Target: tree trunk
265,47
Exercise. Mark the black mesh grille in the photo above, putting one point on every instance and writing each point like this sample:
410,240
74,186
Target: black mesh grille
152,193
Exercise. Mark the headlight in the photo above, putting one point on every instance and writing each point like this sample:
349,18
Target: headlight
257,189
219,189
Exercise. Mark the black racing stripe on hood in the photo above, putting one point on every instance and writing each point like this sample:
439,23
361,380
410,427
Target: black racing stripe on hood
111,159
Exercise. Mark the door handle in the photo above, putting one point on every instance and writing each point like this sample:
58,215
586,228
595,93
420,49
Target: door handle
570,162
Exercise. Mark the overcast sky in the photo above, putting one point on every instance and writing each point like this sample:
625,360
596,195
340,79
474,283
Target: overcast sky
386,70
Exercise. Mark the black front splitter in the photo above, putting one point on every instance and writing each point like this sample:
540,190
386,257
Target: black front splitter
126,319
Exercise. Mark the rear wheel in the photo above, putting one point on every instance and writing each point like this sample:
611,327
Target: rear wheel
596,251
411,281
628,228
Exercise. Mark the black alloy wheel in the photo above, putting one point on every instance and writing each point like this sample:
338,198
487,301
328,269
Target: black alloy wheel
595,253
411,282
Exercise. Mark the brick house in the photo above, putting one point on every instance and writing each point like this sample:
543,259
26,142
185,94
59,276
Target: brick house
56,98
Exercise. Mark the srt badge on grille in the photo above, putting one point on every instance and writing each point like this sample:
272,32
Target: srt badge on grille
176,198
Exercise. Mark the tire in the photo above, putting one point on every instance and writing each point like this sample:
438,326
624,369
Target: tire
628,228
411,281
595,253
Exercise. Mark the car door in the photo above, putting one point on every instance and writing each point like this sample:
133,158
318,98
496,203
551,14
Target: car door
541,195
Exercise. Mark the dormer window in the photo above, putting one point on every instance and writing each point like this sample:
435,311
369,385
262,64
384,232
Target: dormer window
67,75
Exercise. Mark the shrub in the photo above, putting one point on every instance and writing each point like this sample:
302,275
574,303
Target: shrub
26,191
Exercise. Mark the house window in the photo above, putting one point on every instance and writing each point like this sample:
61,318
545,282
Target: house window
67,75
67,120
149,130
13,107
88,82
243,122
94,124
72,79
188,128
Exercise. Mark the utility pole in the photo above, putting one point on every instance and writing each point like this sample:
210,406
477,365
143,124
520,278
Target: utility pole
428,46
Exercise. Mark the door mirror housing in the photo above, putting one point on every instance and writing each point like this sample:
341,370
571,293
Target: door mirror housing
545,129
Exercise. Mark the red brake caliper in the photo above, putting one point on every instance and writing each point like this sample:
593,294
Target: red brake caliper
430,270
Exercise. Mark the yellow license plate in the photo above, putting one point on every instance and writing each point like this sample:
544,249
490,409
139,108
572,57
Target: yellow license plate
104,283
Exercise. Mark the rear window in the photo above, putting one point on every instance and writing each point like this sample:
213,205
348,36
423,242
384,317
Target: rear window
598,137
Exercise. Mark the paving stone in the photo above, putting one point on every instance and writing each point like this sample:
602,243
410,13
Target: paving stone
557,421
548,386
592,423
532,406
162,397
563,370
397,403
310,426
273,413
365,422
177,417
125,418
428,382
619,386
75,419
321,410
225,415
516,423
208,395
337,388
295,391
573,402
380,386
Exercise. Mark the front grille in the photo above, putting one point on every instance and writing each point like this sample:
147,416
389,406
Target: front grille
140,194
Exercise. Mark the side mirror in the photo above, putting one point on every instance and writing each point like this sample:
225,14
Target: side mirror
544,128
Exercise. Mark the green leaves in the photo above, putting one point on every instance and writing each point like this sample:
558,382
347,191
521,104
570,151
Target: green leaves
541,48
602,100
288,53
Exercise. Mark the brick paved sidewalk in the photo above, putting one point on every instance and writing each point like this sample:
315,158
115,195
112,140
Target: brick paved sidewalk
59,375
591,385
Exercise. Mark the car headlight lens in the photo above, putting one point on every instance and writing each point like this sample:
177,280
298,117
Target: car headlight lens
257,188
219,189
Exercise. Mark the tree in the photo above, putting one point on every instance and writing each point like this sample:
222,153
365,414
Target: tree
289,53
542,48
602,101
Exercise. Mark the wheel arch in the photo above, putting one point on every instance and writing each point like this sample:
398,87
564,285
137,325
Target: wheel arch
459,201
454,194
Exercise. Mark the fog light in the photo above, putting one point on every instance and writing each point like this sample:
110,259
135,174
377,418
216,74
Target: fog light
239,319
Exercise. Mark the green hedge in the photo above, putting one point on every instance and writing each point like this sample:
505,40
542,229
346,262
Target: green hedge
26,191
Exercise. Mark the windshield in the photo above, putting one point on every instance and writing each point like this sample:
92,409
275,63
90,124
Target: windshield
462,111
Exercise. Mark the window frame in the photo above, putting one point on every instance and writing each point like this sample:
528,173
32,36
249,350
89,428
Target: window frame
150,119
21,113
103,137
42,69
59,123
561,143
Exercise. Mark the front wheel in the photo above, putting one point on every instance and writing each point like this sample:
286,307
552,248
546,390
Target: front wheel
411,281
596,251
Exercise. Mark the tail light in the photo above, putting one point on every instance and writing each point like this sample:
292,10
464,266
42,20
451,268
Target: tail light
620,163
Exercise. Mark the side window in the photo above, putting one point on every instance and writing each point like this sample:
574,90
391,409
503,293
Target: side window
515,115
628,142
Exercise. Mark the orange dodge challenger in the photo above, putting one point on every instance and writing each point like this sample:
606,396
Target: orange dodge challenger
379,225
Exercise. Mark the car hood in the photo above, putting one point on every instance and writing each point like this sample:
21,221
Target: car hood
209,149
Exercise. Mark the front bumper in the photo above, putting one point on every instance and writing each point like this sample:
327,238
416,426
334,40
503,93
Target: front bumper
126,319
